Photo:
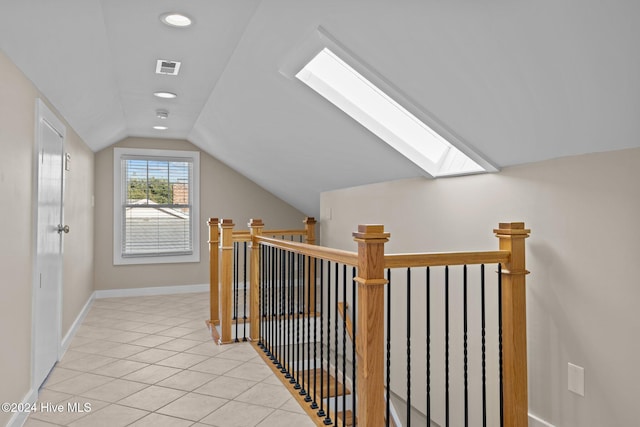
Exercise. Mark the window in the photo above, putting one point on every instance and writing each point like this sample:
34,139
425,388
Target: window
365,102
155,206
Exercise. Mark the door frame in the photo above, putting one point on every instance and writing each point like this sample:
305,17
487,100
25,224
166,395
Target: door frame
44,113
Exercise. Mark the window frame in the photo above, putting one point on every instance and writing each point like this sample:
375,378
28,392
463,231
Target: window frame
361,99
118,224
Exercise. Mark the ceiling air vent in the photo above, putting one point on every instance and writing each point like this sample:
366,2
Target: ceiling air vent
170,68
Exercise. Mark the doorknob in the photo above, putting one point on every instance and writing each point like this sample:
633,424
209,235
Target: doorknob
62,228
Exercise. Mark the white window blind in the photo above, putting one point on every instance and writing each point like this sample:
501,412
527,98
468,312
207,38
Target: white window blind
156,208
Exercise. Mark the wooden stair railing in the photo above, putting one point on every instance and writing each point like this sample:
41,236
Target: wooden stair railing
222,237
371,263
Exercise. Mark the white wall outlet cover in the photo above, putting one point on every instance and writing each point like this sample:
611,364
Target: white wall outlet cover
576,379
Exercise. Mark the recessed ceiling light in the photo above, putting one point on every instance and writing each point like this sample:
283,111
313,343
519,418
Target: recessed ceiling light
176,19
162,114
160,127
166,95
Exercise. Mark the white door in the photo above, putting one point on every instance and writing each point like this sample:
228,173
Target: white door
47,294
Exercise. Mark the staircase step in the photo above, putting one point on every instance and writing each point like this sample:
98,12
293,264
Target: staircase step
328,390
348,418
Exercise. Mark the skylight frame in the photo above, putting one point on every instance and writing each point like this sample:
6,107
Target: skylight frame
458,151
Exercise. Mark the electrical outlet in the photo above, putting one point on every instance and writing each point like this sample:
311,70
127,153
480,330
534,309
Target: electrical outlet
576,379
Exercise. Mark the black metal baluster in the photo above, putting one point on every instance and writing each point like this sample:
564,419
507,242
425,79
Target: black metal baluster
292,324
289,316
284,316
321,412
466,365
300,297
307,262
267,291
500,344
428,305
327,420
388,391
265,294
408,347
260,296
244,278
335,369
354,298
235,286
274,305
446,342
291,283
297,385
314,404
299,345
268,300
279,303
265,297
484,356
303,389
344,345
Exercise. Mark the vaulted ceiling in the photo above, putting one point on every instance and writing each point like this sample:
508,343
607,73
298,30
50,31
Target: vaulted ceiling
518,81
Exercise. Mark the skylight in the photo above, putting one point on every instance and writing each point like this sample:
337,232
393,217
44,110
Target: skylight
348,90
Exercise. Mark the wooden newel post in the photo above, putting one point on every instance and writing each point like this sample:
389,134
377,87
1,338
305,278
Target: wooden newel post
370,324
310,228
214,280
226,275
256,226
514,324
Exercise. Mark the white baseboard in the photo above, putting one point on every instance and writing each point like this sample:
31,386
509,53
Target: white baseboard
535,421
64,345
18,419
156,290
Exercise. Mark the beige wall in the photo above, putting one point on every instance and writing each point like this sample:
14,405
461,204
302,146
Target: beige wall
223,193
17,124
583,253
17,104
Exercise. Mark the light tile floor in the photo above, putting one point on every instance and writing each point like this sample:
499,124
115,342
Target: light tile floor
151,361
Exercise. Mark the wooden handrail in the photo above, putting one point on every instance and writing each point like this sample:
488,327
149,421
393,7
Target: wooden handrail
241,236
245,235
300,232
321,252
445,258
391,260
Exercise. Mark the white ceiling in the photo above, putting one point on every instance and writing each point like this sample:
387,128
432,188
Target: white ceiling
518,81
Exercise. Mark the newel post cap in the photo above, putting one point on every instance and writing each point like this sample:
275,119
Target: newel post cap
256,222
512,229
226,222
371,232
213,221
